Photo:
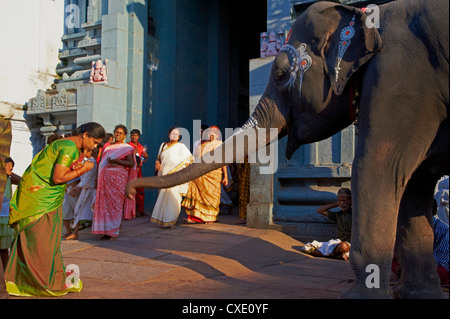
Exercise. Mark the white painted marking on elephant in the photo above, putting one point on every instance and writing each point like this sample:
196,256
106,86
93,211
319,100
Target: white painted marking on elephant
256,147
346,34
251,122
249,134
300,61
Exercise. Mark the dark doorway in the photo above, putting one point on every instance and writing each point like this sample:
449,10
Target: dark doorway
247,20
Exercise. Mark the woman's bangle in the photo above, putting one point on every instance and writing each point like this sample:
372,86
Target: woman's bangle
78,172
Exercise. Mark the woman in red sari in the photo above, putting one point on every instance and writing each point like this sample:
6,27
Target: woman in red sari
117,167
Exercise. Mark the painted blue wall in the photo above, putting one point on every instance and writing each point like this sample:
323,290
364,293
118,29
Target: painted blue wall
187,85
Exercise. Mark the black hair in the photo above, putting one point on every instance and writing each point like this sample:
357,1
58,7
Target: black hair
93,129
9,160
54,137
94,152
108,136
135,131
123,127
345,191
105,140
170,130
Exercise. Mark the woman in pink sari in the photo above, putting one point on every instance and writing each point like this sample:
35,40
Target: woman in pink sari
116,168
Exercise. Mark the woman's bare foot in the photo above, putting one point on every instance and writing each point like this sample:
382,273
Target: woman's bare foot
71,237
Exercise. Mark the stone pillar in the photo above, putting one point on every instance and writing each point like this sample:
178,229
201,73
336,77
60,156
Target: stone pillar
260,207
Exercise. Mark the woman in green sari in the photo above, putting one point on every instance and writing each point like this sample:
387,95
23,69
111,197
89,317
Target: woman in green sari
36,267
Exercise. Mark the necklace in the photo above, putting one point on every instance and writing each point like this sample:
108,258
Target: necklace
75,140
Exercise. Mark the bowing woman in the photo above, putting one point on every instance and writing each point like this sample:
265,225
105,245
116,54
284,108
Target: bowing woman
36,266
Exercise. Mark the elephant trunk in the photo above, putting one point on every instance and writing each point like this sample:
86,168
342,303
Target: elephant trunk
252,136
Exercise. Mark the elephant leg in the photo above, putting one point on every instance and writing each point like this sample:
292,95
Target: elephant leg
384,163
381,170
374,221
414,245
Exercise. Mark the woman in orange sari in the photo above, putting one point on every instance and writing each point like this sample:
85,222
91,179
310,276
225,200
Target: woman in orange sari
117,167
202,199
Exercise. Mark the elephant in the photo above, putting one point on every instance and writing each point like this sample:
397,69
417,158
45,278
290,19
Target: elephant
336,66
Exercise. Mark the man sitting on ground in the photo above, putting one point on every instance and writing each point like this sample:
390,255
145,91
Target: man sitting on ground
340,247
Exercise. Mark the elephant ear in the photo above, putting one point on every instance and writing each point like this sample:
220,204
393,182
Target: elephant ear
351,45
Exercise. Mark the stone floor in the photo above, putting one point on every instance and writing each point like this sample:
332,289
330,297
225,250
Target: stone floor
215,263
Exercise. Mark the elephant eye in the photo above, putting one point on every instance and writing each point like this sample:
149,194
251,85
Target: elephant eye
290,65
278,74
282,78
283,69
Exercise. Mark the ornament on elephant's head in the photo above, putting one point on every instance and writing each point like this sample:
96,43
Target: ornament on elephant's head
346,34
300,61
99,72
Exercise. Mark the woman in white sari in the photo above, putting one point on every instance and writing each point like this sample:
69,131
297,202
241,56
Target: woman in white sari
172,157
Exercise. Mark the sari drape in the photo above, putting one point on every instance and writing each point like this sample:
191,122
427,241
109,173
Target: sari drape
168,205
36,192
5,145
111,204
36,267
202,198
